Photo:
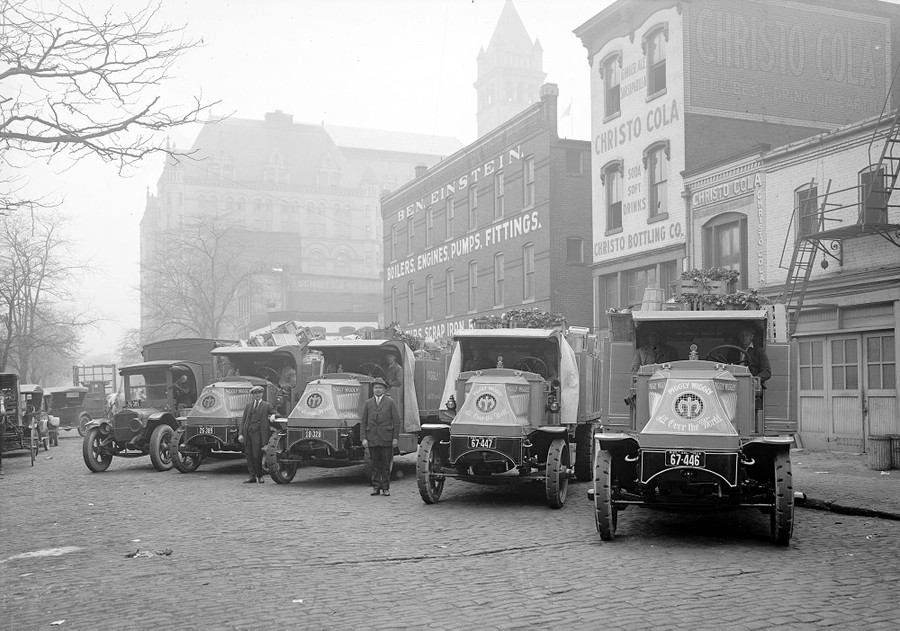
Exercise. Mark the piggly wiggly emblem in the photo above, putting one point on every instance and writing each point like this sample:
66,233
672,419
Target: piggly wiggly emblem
689,406
314,400
486,403
208,402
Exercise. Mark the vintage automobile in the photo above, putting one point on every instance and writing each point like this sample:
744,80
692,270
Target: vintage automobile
211,427
514,399
698,434
99,382
323,429
67,404
156,393
18,431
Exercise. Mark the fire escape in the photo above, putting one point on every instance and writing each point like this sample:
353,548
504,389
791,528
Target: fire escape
822,222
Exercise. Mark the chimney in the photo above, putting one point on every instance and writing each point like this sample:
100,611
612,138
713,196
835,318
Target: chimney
420,170
549,97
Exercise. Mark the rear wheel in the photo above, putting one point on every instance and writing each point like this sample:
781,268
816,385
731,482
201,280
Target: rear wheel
34,442
604,513
184,463
782,518
160,455
281,472
583,439
83,420
96,459
428,464
557,474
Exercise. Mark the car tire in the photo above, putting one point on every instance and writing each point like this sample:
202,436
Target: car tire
428,464
584,437
183,463
83,420
605,514
782,518
160,456
280,472
95,458
556,480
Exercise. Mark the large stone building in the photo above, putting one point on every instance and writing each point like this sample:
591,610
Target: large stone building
305,199
677,86
500,224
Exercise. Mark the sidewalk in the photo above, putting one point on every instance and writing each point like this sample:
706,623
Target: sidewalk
842,482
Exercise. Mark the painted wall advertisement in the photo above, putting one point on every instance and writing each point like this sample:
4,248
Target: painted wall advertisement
786,62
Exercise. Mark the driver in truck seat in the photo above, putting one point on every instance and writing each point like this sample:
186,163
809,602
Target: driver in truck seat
655,351
754,358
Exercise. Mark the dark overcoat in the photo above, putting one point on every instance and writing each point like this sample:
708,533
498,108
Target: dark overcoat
380,424
256,421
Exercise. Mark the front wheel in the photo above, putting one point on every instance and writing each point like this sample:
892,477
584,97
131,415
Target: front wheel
584,437
83,420
604,513
557,478
782,518
34,443
183,463
281,472
160,455
95,457
429,471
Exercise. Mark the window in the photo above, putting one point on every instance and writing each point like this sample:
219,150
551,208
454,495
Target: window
725,244
655,49
450,288
873,195
429,227
808,218
844,365
611,178
528,271
429,297
626,289
499,180
451,215
410,301
473,286
499,277
636,281
657,164
610,71
528,169
473,208
394,243
881,362
574,162
410,237
574,250
395,309
812,372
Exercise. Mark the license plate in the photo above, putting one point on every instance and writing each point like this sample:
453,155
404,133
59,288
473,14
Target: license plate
312,433
685,459
205,429
482,442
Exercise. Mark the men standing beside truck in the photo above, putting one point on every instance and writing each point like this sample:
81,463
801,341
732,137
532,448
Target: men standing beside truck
254,434
380,432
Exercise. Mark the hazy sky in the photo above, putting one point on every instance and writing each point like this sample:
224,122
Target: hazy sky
406,65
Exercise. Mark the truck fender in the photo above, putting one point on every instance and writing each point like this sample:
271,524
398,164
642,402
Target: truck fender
102,423
616,442
767,446
165,418
441,431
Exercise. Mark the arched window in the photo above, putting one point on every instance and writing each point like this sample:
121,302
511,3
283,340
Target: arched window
656,163
610,69
725,243
611,178
654,45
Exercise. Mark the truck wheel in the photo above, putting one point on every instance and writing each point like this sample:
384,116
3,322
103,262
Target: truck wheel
604,513
160,456
583,440
557,474
782,518
281,472
96,459
83,420
34,443
184,463
428,465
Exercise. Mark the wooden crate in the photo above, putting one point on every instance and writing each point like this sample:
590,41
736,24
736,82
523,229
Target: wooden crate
621,327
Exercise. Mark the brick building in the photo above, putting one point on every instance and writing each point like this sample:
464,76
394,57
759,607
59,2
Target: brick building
502,223
305,197
678,86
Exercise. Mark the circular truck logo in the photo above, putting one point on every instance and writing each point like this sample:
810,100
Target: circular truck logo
688,406
486,403
208,401
314,400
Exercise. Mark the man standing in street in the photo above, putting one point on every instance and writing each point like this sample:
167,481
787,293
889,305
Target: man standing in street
255,433
380,432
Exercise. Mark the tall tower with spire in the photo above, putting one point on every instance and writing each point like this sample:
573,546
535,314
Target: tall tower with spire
510,72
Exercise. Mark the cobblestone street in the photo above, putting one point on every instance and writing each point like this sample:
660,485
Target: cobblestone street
322,553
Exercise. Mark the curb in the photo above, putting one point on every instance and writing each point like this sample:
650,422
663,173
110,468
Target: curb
831,506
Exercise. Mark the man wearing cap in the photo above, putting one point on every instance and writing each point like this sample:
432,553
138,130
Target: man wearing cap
380,433
394,371
255,433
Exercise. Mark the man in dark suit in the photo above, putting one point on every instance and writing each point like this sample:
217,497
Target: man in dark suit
254,434
756,359
380,433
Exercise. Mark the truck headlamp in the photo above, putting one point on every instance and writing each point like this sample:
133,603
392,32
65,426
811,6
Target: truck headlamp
451,403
